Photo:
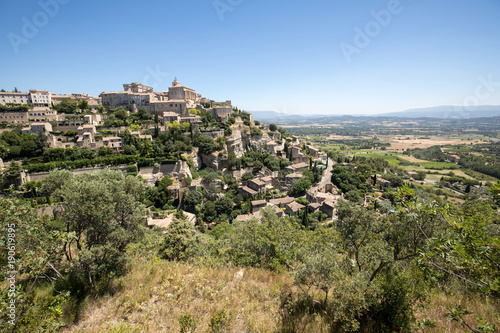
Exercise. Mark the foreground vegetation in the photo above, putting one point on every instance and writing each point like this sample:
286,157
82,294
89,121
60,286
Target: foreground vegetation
95,267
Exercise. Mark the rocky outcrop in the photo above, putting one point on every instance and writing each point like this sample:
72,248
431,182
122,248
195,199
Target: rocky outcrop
259,142
235,144
241,141
214,160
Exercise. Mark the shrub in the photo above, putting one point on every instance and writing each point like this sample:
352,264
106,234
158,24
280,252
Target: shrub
218,322
180,240
187,323
247,176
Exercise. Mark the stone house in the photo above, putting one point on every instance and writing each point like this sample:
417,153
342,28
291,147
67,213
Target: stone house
257,185
245,190
293,208
328,208
113,142
282,202
257,205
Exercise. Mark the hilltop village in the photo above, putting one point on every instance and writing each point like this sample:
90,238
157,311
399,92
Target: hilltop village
169,209
208,158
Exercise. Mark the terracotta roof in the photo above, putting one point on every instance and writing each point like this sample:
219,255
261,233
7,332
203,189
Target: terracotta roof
257,182
328,203
248,190
294,175
299,165
295,206
282,201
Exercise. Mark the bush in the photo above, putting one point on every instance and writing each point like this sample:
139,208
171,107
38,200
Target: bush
301,186
187,323
219,322
255,131
179,242
247,176
302,201
132,169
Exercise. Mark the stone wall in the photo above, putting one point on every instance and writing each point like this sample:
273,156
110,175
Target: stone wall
37,176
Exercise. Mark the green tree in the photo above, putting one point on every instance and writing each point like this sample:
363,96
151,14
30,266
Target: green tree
207,145
472,241
146,149
143,114
67,106
186,127
301,186
247,176
121,114
273,127
35,258
192,199
12,173
83,105
208,211
224,207
54,182
180,240
420,175
42,142
102,214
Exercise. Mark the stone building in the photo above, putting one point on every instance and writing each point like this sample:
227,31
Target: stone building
221,113
180,92
113,142
170,117
14,98
40,102
133,97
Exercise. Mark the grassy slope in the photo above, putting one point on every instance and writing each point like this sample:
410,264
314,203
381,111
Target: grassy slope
153,296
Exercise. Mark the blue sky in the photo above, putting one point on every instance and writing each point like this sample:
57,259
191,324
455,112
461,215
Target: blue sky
289,56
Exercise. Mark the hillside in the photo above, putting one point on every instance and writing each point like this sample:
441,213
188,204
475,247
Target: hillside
156,294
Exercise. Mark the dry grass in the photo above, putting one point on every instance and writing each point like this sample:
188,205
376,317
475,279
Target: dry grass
438,308
412,159
415,142
154,295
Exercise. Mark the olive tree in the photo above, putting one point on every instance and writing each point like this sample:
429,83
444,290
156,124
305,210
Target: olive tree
102,214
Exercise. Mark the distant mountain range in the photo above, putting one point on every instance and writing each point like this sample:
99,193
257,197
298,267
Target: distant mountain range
448,112
440,112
